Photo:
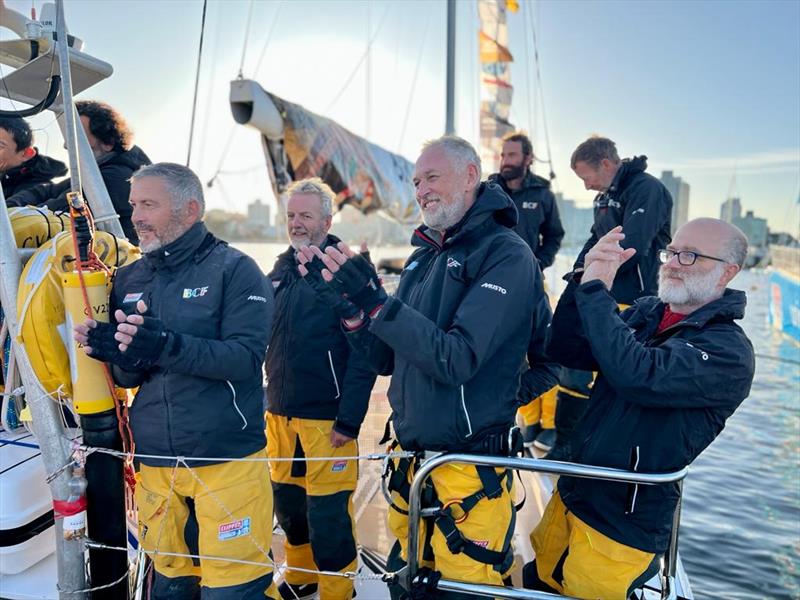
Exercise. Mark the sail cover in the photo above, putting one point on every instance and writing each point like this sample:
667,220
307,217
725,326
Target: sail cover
496,89
362,174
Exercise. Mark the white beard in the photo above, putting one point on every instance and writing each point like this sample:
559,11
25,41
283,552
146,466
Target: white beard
445,214
693,290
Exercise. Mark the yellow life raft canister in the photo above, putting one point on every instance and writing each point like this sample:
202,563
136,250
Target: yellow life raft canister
34,225
45,329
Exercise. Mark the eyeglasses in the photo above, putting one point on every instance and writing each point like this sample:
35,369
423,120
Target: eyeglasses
685,257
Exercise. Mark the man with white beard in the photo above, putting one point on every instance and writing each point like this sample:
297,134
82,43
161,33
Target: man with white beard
671,370
454,338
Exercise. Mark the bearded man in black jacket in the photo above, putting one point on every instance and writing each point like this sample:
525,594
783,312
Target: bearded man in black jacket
454,338
671,370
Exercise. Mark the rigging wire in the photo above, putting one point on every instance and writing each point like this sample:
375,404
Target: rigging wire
197,81
269,38
528,69
549,159
413,86
246,37
349,79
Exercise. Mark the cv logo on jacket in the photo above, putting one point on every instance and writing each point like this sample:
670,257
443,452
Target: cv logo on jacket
195,292
530,205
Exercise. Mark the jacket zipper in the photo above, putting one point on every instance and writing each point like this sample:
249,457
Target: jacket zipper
333,372
466,413
236,406
641,279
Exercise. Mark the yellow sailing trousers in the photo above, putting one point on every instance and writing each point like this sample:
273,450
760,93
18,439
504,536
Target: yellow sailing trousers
233,503
314,502
595,566
490,524
541,409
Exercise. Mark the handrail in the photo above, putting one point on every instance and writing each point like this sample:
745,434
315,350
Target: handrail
551,467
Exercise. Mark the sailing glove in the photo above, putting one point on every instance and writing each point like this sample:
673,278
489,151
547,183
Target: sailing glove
148,343
359,282
341,306
105,347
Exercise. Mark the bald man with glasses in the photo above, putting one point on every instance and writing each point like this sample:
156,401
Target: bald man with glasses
671,370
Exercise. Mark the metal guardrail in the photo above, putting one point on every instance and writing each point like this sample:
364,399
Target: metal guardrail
415,512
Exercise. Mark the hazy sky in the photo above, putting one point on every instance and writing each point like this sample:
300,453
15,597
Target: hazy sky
708,89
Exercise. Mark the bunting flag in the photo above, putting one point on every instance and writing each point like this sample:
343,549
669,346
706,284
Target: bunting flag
496,88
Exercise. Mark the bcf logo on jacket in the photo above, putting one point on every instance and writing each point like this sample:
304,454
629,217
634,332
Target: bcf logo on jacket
195,292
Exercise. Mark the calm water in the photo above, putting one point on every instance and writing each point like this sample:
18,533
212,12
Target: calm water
740,528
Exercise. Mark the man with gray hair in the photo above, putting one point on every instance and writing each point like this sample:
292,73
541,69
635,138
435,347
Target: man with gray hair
318,390
192,325
671,370
454,338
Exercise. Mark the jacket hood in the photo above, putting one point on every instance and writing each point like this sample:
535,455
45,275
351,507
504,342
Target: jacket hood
193,242
133,158
628,168
491,202
41,167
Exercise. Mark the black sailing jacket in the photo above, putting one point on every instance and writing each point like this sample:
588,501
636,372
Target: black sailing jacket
455,335
642,205
311,370
39,169
658,401
539,223
208,400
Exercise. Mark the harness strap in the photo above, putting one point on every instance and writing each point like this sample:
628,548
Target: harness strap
457,543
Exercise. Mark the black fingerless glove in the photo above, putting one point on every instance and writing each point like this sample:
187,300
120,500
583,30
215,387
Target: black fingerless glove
359,282
101,340
106,349
341,306
148,343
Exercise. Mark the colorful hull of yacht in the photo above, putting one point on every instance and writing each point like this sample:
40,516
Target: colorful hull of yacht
784,290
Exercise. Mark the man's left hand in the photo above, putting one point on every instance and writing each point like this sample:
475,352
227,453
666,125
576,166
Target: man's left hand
141,337
606,257
339,439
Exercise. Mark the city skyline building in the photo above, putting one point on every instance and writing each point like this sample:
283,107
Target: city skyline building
679,190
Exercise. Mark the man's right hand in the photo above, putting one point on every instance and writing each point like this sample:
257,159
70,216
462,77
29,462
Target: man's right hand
606,257
98,340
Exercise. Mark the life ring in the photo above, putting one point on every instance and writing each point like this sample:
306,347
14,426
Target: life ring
40,303
34,225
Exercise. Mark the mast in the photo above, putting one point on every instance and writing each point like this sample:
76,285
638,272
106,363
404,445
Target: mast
449,127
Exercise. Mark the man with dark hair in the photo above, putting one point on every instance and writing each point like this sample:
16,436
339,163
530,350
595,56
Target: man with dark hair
21,165
454,338
110,139
671,370
318,390
634,199
539,223
192,322
540,226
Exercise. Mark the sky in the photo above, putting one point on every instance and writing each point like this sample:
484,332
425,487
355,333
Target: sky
708,89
